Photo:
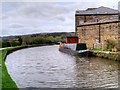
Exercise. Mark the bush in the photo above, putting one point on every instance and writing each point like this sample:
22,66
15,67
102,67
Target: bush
14,43
20,40
5,44
111,44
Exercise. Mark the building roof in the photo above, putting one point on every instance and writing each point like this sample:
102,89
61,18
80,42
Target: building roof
119,6
71,37
98,23
97,11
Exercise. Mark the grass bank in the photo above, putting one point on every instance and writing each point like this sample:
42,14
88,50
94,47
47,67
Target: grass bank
6,82
0,69
106,54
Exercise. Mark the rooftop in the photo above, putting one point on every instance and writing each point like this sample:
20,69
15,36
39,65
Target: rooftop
97,11
71,37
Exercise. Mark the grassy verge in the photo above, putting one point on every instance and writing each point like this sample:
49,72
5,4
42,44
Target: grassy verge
0,70
96,49
6,82
106,54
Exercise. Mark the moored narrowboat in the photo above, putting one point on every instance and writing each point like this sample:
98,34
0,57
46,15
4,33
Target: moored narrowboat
72,47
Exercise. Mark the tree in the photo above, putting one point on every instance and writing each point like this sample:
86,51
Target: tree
20,40
14,43
58,38
26,40
51,39
5,44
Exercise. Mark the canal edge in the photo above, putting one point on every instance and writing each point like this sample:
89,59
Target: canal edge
106,54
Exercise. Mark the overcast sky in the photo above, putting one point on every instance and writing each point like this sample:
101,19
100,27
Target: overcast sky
28,17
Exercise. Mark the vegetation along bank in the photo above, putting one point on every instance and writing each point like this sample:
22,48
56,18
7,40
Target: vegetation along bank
6,81
106,54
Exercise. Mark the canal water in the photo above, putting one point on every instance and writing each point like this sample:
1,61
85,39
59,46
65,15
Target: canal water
46,67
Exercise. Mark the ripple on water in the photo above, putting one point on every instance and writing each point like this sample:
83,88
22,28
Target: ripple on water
47,67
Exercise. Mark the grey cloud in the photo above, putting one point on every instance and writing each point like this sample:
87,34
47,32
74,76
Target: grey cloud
4,17
41,10
61,18
45,10
16,26
38,17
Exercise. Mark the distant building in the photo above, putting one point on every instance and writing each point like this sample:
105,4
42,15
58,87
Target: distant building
95,26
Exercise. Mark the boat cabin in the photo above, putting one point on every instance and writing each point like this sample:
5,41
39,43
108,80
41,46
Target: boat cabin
71,39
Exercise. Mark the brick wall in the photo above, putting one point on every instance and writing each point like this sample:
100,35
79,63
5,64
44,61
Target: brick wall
119,35
95,18
96,35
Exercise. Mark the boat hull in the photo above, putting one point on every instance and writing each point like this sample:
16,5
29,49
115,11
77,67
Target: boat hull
74,53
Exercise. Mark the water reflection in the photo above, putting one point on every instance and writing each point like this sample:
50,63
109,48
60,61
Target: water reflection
47,67
96,72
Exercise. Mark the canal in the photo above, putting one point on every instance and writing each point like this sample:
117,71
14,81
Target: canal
46,67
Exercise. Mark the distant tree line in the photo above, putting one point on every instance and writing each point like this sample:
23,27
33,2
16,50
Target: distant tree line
29,40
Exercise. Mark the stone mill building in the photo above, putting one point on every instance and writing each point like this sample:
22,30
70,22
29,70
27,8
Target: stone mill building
98,27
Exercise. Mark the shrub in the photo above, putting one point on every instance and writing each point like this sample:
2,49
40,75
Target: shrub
5,44
111,44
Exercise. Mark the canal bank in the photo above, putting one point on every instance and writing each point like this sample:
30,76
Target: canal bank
7,82
106,54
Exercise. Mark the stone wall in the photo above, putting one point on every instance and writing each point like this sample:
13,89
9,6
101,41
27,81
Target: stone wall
109,32
87,34
119,35
94,19
107,55
95,35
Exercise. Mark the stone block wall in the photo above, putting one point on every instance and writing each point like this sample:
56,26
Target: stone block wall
88,34
119,35
96,35
95,18
109,32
